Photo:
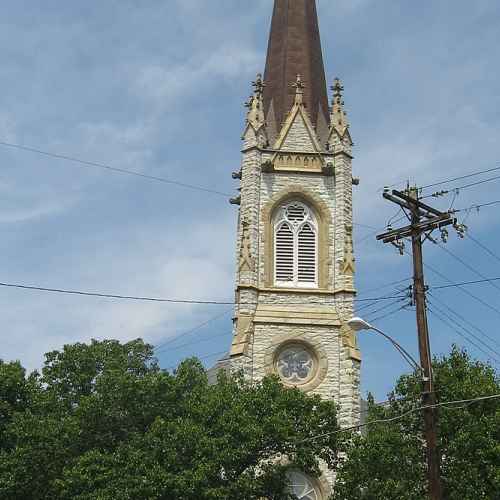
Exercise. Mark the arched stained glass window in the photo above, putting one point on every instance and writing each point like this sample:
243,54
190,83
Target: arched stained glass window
295,246
301,487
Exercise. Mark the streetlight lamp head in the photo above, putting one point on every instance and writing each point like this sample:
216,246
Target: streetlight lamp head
358,324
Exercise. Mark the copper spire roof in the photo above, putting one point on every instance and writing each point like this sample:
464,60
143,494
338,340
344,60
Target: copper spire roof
295,48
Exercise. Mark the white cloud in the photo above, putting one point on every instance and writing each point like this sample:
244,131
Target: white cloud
202,74
21,203
200,268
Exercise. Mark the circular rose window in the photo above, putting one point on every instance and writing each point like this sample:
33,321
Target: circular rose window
296,364
301,487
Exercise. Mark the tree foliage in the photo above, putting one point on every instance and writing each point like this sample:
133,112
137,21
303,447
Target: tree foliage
388,462
102,421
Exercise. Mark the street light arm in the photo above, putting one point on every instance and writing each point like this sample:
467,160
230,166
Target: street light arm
409,358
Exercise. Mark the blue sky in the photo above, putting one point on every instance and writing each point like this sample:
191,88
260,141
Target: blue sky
158,87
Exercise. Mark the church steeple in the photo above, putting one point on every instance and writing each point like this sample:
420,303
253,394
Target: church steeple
295,257
295,48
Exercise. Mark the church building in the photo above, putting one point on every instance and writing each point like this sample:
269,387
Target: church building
295,263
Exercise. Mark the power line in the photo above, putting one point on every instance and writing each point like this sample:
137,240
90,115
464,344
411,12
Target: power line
472,207
156,299
113,169
208,356
391,313
114,296
373,233
364,225
393,283
469,267
461,177
484,247
478,183
464,290
202,341
387,306
465,320
460,286
460,188
160,347
405,414
463,283
450,325
467,331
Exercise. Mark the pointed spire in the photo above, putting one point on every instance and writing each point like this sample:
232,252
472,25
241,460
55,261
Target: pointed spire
255,105
294,48
338,117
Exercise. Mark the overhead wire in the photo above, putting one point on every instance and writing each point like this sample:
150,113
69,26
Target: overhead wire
158,299
391,313
202,358
473,174
460,287
160,347
452,327
468,266
463,283
460,188
403,415
387,306
392,283
464,319
289,338
473,207
103,166
451,318
483,246
199,341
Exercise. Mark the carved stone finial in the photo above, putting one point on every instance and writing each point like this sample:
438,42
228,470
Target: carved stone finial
337,88
338,117
258,85
255,105
299,87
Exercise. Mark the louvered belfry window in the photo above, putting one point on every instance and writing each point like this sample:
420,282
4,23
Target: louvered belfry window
295,246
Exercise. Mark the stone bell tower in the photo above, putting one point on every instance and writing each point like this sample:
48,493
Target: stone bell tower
295,262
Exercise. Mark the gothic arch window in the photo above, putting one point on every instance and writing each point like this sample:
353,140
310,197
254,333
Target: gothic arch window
295,246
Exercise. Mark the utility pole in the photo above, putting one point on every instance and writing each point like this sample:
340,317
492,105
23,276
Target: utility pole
424,220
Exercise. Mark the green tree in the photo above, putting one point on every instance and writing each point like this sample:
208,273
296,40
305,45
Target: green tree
388,461
102,421
15,394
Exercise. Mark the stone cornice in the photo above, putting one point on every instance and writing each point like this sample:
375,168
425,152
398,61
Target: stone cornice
339,153
345,290
254,147
300,291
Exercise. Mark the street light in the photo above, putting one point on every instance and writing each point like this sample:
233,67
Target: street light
358,324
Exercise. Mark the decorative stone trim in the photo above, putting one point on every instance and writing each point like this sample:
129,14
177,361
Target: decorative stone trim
242,335
303,291
312,345
321,209
303,162
350,342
